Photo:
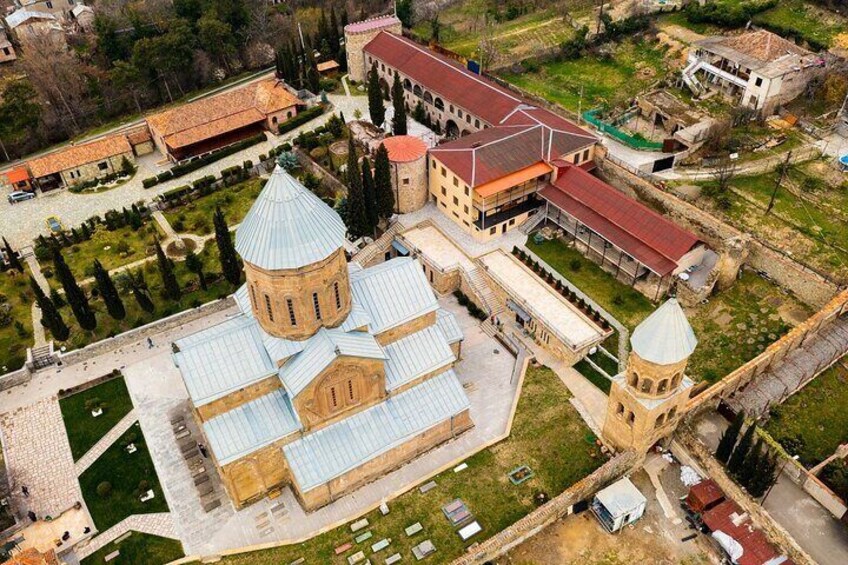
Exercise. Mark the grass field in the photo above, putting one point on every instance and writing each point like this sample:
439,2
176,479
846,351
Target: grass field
138,549
129,474
196,216
83,429
16,301
113,248
548,435
604,81
628,305
814,422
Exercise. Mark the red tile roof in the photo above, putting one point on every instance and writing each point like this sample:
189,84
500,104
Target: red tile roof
371,24
647,236
404,148
77,155
444,77
15,176
729,518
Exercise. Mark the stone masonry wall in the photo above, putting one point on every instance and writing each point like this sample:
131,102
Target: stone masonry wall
557,508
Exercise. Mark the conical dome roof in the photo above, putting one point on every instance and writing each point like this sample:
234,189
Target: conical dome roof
665,337
288,227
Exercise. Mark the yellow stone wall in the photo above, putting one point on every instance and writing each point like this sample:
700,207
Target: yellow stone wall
239,397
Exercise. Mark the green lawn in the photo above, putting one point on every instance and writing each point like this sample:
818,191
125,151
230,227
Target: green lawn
196,215
594,377
15,306
604,81
738,324
129,474
138,549
83,429
547,435
628,305
192,296
814,422
804,20
113,248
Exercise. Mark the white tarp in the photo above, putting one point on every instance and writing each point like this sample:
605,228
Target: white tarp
730,545
689,476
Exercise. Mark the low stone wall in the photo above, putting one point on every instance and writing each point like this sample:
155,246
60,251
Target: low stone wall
558,508
143,332
15,378
809,286
326,177
761,518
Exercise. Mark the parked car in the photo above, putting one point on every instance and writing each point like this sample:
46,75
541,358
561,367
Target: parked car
19,196
54,224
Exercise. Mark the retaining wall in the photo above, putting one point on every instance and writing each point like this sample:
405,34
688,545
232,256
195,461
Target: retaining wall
15,378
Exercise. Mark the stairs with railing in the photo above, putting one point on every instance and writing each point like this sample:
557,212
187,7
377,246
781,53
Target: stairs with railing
378,246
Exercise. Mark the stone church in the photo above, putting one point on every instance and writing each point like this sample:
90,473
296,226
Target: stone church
331,375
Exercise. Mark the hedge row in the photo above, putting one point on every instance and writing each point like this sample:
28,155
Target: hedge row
185,168
301,118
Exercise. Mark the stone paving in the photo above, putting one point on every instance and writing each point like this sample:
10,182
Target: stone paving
105,442
156,524
38,456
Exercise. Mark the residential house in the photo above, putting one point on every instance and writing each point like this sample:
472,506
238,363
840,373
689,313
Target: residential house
80,163
7,50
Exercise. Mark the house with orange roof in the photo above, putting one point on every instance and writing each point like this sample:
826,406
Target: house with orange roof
211,123
81,163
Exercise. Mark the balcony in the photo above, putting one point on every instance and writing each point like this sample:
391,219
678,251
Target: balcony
486,219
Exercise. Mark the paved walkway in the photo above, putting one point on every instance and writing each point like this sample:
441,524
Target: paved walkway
105,442
156,524
38,456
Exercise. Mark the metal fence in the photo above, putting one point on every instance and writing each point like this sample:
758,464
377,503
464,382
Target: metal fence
626,138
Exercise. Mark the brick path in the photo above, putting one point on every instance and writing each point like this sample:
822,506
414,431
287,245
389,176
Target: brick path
105,442
156,524
39,457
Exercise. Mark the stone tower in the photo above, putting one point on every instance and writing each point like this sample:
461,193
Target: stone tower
292,245
357,36
647,400
408,161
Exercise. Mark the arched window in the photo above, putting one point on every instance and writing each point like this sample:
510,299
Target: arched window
672,413
646,385
338,295
631,418
316,305
416,90
428,98
407,85
675,382
439,104
290,307
274,120
619,410
288,115
632,379
660,421
663,386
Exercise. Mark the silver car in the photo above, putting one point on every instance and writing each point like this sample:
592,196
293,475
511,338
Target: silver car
20,196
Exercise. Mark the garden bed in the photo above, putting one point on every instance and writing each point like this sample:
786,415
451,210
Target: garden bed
195,215
85,430
138,549
548,436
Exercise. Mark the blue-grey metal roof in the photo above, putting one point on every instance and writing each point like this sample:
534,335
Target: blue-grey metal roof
288,226
356,319
449,326
416,355
665,337
224,361
348,443
21,15
393,292
622,497
251,426
321,350
225,327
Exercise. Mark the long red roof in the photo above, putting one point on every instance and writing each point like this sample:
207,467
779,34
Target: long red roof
645,235
729,518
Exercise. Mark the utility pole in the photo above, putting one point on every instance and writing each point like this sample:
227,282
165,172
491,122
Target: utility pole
783,169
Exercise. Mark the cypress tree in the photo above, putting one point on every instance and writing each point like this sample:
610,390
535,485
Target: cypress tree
230,264
170,285
375,98
764,476
740,453
50,316
114,304
75,295
57,299
384,194
138,286
399,119
729,437
356,215
195,264
368,194
334,36
752,463
13,259
314,78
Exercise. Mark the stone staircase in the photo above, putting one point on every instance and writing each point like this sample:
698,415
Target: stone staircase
478,284
42,356
378,246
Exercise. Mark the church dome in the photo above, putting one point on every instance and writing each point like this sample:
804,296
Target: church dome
665,337
288,227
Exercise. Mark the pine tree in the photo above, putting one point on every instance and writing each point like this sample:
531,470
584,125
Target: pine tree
170,285
75,295
399,119
50,316
230,264
195,264
140,292
376,109
13,259
114,304
748,472
368,194
740,453
384,194
356,213
729,437
86,231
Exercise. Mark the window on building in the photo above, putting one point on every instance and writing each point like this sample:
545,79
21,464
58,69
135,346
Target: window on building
290,306
663,386
316,305
619,410
465,208
434,165
586,155
631,418
493,231
50,5
268,308
468,118
459,113
451,108
660,421
103,166
476,123
455,181
274,120
466,191
444,172
512,222
383,67
647,385
444,191
405,181
338,295
759,81
455,215
351,395
455,201
334,397
672,413
253,297
288,115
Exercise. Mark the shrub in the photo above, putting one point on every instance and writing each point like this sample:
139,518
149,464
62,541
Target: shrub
164,175
301,118
104,489
185,168
575,265
148,182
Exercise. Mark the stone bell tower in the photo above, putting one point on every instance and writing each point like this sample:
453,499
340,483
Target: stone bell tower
292,245
647,400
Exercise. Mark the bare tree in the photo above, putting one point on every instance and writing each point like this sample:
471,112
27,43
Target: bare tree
487,50
724,172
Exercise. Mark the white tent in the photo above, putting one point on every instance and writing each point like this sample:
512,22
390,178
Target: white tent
731,546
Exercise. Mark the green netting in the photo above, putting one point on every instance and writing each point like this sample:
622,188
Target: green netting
626,138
